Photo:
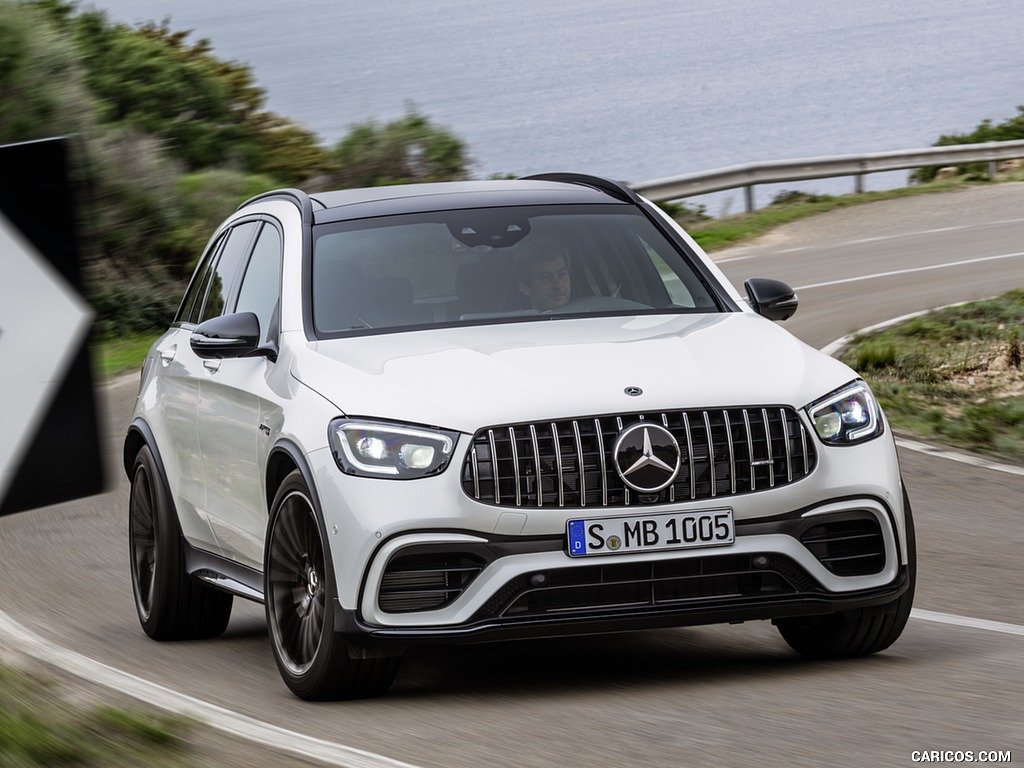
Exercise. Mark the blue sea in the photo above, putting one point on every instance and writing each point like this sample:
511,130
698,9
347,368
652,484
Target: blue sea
634,91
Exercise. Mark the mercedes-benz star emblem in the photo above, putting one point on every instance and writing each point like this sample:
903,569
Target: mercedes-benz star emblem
633,391
646,456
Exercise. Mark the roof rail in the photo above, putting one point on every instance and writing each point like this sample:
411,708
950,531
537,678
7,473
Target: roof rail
296,196
614,188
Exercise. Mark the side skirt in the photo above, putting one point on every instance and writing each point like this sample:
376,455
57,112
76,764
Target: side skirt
223,574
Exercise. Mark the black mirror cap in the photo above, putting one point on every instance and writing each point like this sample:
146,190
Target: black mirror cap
773,299
236,335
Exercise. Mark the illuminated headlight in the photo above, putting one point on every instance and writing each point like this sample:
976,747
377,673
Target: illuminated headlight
848,415
380,449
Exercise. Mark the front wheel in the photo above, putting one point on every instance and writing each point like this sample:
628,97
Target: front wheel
314,661
860,632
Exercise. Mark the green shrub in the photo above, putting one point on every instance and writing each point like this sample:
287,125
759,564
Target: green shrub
1009,130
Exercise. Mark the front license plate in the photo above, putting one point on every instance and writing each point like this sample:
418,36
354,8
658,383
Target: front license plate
650,533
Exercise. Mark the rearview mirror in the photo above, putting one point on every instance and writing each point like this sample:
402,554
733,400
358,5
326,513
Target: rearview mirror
771,298
236,335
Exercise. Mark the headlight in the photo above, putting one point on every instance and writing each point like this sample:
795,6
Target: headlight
848,415
380,449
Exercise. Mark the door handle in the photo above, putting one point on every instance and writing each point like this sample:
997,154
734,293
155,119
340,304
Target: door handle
167,355
211,365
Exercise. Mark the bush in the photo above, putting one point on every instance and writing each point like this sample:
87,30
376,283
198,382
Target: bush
1009,130
410,149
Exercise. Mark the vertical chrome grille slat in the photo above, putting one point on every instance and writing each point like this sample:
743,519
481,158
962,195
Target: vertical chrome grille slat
789,453
604,467
750,449
515,465
476,474
689,452
711,454
494,467
803,443
768,442
625,494
558,464
580,463
536,461
672,487
732,453
536,465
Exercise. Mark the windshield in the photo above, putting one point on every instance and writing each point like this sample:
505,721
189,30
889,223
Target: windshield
497,265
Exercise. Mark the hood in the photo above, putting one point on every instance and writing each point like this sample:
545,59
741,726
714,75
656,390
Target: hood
468,378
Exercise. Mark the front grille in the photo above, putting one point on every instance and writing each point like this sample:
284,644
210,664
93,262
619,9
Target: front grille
665,583
423,582
847,547
569,463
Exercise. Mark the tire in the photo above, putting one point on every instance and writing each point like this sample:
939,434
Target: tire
860,632
171,605
301,604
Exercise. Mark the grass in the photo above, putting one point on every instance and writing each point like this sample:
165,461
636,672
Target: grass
39,728
954,375
112,357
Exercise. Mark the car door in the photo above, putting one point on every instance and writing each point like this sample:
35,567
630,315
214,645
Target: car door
234,397
180,380
175,398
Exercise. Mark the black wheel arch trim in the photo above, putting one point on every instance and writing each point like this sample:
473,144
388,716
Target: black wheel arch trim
139,435
298,458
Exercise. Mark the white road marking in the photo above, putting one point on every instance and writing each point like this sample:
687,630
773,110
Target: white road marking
963,458
765,251
234,723
967,621
946,265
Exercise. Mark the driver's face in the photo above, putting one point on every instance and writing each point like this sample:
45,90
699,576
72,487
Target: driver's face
547,284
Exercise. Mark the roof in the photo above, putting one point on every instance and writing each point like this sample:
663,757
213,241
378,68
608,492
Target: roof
368,202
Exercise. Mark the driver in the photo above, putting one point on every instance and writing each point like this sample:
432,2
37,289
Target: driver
544,275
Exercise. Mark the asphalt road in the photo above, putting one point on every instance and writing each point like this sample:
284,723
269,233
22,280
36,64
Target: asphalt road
715,696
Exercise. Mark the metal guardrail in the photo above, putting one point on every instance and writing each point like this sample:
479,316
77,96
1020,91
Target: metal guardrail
800,169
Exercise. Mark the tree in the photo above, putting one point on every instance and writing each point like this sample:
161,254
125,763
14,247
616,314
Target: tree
410,149
42,92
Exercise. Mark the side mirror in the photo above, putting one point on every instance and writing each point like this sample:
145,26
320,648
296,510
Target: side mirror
236,335
771,298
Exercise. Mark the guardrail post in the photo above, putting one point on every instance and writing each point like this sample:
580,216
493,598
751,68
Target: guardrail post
748,194
858,184
992,170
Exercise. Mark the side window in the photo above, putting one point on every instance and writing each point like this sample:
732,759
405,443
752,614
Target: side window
193,301
261,286
225,271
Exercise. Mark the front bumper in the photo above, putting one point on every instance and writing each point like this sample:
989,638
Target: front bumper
450,586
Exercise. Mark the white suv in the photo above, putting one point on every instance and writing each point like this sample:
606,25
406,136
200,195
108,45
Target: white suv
492,410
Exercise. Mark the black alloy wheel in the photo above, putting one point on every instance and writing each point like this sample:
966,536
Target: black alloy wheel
170,603
300,601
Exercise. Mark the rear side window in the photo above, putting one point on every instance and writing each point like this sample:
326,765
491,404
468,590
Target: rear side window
193,301
261,287
224,279
217,276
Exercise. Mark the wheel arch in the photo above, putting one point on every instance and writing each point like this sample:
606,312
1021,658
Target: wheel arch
140,435
285,458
